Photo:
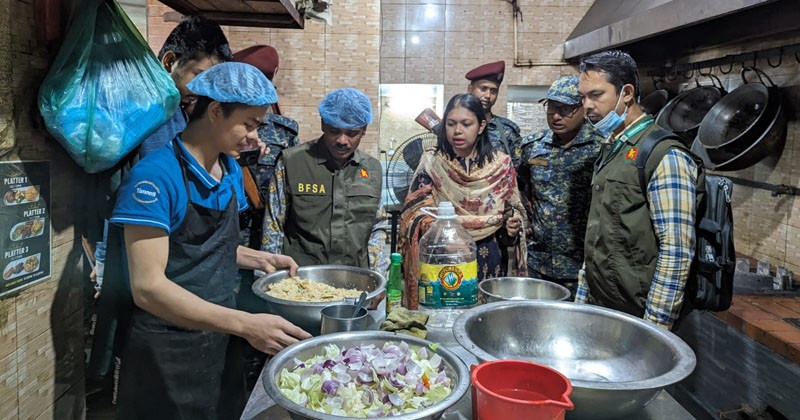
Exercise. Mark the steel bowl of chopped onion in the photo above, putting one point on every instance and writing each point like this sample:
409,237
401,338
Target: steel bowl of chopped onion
366,374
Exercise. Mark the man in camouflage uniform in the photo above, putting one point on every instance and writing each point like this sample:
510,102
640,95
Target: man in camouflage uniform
484,83
555,176
277,133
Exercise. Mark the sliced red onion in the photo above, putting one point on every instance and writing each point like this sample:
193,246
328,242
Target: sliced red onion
396,399
368,397
401,369
442,377
317,369
344,378
436,361
380,365
392,349
330,387
397,384
403,347
420,388
385,399
422,353
339,369
328,364
413,368
364,377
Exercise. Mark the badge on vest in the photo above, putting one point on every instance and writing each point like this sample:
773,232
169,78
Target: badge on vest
363,173
310,188
632,153
538,162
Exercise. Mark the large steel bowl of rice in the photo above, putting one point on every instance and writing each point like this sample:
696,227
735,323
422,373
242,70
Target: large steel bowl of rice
299,300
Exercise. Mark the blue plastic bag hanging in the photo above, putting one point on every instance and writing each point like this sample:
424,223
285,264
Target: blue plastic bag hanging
106,91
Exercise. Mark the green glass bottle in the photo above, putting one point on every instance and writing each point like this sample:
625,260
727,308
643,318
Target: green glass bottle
394,286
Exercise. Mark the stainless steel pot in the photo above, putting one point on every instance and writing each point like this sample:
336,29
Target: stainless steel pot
684,113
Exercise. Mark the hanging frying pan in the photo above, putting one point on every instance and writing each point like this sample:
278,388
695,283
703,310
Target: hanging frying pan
738,119
750,136
655,100
684,113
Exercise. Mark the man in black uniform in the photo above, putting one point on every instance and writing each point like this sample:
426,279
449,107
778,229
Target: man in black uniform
484,83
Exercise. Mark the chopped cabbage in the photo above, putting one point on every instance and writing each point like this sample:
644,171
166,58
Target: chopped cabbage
367,381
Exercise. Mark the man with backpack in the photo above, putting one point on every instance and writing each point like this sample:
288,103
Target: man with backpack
639,245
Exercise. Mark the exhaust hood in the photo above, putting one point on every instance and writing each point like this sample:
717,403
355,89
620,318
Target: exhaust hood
686,24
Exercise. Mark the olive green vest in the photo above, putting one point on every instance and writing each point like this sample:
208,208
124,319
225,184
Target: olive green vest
621,247
330,211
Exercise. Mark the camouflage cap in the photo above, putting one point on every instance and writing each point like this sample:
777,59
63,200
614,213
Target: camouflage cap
565,91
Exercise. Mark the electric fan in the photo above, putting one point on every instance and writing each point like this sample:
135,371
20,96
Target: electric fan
403,163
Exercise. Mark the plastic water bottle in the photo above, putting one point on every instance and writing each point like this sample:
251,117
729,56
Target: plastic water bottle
394,286
448,268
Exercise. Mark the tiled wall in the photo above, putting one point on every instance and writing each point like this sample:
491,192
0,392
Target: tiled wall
766,228
438,41
313,60
41,327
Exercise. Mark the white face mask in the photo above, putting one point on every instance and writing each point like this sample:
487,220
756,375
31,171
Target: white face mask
612,120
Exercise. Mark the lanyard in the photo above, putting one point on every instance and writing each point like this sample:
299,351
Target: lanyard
628,133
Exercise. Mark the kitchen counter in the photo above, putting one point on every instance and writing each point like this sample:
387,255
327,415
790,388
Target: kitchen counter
261,407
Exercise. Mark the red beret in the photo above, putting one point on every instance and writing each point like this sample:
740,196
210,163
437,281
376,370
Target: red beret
492,71
264,57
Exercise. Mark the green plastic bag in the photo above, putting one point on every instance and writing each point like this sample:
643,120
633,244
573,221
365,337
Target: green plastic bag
106,91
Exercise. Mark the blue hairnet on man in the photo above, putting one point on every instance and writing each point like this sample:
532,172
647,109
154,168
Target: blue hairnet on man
346,108
326,204
235,83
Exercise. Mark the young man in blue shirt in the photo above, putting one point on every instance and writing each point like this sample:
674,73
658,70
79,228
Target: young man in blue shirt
179,207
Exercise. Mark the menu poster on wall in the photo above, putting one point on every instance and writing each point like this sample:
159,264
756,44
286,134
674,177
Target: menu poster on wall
25,239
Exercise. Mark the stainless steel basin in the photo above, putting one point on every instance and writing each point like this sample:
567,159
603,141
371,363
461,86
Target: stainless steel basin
617,363
455,370
306,315
521,288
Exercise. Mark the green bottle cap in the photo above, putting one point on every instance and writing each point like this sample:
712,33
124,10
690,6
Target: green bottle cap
396,257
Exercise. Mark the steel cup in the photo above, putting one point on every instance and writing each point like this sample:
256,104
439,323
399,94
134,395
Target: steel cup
339,318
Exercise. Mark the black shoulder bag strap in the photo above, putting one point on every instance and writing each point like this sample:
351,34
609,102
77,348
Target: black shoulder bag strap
647,146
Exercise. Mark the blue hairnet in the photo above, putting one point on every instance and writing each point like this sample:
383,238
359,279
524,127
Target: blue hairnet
235,83
346,108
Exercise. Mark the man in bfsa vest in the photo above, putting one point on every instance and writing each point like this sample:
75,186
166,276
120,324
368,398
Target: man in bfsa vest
638,249
324,204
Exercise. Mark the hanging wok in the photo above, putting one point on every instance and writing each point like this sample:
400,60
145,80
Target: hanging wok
684,113
766,137
654,101
740,118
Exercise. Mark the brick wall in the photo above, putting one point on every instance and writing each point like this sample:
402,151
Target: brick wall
439,41
41,327
766,228
313,60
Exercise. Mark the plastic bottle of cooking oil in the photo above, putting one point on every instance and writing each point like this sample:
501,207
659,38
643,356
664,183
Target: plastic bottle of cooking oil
448,268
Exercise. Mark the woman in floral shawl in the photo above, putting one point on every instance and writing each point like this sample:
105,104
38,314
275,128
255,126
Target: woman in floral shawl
480,182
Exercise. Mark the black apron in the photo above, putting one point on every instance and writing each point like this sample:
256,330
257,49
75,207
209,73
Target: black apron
170,372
